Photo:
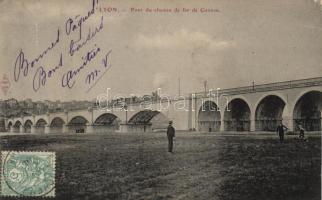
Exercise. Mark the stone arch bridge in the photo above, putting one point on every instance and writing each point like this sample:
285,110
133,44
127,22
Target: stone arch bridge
251,108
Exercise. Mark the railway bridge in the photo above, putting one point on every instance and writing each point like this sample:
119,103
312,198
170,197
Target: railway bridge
250,108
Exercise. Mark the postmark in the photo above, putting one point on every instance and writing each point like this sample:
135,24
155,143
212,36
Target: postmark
28,174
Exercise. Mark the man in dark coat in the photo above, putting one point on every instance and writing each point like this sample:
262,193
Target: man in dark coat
301,132
280,130
171,133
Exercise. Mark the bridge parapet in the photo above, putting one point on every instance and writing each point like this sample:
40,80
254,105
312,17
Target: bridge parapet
267,87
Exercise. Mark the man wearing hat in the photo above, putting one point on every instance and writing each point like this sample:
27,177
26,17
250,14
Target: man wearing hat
280,130
171,134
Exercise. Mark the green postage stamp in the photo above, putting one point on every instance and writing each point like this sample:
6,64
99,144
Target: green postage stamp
28,174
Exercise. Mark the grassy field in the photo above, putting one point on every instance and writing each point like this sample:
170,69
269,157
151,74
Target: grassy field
203,166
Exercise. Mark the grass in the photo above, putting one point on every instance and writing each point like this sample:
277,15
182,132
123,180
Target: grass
204,166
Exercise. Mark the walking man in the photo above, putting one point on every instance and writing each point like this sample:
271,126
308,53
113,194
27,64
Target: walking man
280,130
171,134
301,132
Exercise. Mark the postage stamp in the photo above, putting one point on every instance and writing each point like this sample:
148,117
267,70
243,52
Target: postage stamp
28,174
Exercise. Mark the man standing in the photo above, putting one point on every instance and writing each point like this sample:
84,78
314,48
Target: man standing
171,134
301,132
280,131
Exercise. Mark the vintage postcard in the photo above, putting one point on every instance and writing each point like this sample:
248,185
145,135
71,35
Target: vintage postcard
161,99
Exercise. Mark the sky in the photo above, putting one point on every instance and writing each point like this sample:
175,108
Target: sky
240,42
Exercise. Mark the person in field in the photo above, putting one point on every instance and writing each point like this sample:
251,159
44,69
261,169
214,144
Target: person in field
171,133
280,130
301,132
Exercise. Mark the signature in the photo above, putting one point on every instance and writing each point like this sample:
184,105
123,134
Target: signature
68,79
97,74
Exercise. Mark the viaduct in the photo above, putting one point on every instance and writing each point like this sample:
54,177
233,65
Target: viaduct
251,108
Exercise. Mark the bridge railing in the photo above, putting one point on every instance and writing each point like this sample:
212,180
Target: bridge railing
267,87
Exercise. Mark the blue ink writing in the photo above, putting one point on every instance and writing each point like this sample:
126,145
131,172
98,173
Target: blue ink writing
71,26
105,60
41,75
91,76
73,47
23,64
97,72
68,79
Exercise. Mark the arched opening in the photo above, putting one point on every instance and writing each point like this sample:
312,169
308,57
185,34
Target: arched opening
9,126
269,113
56,125
2,122
28,125
17,126
307,111
40,126
159,122
147,120
237,116
77,124
209,117
106,122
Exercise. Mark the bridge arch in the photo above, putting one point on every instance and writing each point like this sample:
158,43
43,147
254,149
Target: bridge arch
148,120
9,125
106,119
27,126
17,123
41,122
277,94
77,124
307,111
16,126
269,112
209,118
57,125
237,115
106,122
40,125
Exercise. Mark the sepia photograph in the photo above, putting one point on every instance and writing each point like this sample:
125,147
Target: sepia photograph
160,99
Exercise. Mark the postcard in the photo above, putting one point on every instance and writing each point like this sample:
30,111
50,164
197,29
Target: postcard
160,99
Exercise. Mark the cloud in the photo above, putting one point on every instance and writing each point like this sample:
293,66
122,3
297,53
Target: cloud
181,39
